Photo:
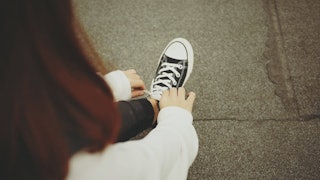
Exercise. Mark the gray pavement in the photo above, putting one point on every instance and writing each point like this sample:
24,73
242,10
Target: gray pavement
257,150
256,75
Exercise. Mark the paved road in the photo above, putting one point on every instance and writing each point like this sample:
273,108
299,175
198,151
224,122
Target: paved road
256,75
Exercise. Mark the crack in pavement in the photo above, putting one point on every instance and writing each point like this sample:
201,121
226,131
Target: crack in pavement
277,63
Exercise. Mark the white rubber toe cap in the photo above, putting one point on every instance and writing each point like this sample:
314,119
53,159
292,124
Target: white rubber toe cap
176,50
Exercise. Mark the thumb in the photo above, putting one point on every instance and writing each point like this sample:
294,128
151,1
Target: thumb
190,100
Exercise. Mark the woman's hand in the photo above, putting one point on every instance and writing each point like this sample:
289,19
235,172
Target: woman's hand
137,84
177,97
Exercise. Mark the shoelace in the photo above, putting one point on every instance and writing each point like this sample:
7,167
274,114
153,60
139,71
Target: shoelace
165,77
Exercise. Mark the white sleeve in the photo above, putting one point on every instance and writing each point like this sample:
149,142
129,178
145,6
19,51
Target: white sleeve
119,84
166,153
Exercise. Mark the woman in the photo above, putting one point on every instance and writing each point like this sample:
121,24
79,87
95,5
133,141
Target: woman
58,116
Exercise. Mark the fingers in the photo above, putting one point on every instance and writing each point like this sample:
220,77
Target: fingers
132,74
177,97
136,93
136,83
131,71
190,100
137,87
173,92
191,97
165,93
182,93
164,99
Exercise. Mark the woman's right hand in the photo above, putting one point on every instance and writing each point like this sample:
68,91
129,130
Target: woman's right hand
136,83
177,97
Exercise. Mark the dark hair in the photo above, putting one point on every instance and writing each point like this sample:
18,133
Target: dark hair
52,102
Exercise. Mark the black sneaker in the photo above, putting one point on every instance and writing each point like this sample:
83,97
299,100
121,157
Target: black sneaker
174,67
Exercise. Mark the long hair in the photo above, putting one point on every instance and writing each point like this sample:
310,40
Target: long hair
52,102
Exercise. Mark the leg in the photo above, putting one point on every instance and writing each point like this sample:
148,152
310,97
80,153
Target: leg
174,68
136,116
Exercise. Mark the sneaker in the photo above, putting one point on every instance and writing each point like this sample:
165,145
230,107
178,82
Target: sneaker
174,67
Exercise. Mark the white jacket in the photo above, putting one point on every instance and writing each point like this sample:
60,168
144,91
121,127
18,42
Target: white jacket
166,153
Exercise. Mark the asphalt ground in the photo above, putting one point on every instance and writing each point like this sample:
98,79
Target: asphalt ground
256,76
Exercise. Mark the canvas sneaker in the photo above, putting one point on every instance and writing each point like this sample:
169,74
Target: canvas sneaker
174,67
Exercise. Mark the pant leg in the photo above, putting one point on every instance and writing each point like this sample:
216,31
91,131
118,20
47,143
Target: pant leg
136,116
